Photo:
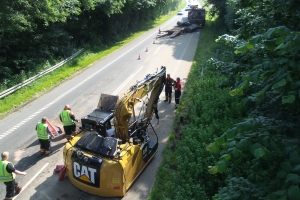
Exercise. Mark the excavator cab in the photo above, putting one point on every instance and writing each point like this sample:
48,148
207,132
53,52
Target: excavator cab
99,120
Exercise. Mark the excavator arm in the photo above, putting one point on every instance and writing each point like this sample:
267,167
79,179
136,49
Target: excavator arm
152,84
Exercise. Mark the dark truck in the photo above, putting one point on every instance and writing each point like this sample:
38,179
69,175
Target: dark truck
196,16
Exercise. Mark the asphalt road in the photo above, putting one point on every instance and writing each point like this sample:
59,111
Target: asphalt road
111,75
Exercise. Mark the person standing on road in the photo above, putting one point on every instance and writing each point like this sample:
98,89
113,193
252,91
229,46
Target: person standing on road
8,175
68,119
177,88
44,133
168,88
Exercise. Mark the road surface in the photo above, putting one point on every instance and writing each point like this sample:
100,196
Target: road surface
111,75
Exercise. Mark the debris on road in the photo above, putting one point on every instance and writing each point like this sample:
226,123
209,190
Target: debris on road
178,31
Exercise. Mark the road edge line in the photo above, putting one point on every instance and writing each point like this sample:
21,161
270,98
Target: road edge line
26,185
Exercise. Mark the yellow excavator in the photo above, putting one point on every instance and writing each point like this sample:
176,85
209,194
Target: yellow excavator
114,145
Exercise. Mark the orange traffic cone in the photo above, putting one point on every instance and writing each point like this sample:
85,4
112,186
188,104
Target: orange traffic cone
146,49
139,58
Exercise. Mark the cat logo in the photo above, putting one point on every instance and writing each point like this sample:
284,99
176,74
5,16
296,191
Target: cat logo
86,174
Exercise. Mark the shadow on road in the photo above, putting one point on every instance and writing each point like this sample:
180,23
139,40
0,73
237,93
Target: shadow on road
26,162
62,190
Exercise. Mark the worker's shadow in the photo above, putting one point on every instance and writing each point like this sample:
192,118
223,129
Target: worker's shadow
63,190
27,161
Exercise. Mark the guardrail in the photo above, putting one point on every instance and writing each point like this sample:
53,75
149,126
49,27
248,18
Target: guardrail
26,82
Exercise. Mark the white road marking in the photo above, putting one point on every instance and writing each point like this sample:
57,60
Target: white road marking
32,179
123,85
161,46
75,87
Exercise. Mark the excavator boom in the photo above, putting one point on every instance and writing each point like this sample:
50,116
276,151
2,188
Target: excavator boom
152,84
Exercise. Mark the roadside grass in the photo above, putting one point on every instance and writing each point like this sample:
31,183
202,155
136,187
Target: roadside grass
86,59
206,111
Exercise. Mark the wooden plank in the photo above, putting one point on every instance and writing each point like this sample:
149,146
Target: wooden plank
176,33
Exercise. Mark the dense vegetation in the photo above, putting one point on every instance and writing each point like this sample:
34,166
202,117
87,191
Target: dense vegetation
240,138
36,34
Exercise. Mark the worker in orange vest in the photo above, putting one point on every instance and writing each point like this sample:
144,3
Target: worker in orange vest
177,88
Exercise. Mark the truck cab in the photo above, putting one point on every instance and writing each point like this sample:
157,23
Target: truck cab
196,15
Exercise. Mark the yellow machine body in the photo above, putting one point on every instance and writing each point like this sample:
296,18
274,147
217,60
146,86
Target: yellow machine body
114,177
107,165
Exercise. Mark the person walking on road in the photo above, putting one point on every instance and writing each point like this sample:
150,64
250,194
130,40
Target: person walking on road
168,88
68,119
44,134
8,175
177,88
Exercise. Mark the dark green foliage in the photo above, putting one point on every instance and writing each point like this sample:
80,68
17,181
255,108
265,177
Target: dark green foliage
239,188
27,40
263,69
217,7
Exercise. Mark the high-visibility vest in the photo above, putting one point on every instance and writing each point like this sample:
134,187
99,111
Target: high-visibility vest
65,118
42,131
4,175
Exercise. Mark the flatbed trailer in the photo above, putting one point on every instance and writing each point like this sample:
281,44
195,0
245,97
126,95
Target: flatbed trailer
176,31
